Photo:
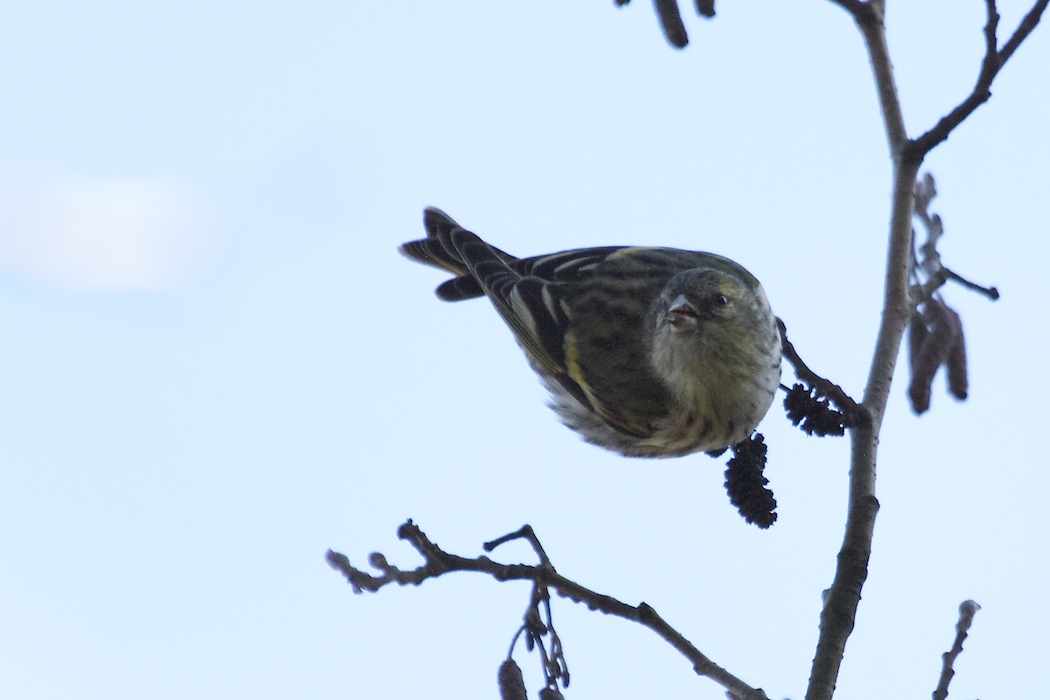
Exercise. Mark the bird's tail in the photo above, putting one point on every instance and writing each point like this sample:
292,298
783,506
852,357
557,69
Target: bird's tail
438,250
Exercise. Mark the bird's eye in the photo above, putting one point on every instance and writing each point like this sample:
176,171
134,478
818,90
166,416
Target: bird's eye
721,300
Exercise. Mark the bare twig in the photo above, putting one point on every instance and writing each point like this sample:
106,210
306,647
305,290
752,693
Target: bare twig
993,62
990,292
438,562
1023,30
929,259
823,386
525,532
967,610
868,17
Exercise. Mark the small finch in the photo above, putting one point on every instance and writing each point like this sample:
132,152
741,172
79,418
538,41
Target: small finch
649,352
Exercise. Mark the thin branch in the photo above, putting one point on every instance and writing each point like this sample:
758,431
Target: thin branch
967,610
854,7
525,532
993,62
438,562
825,387
929,259
990,292
843,597
868,17
1023,30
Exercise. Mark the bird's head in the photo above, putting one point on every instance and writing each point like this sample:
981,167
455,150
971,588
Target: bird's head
709,330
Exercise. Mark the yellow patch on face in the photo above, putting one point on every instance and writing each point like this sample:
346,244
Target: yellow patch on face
730,289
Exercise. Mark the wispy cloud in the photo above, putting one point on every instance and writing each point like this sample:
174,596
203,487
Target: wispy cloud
101,234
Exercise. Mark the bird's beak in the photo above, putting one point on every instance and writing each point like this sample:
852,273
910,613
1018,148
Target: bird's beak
682,315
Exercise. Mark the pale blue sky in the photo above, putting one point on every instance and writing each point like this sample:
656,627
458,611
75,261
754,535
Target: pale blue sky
216,366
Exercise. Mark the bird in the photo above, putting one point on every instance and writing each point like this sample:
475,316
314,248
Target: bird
647,352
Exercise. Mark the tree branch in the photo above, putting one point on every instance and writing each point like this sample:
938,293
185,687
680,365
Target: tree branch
825,387
869,19
438,562
1023,30
967,609
838,616
993,62
839,613
840,607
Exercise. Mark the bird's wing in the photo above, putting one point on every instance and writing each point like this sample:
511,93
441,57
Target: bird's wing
533,296
529,305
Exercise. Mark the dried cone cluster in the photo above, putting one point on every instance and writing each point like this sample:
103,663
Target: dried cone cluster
935,338
746,485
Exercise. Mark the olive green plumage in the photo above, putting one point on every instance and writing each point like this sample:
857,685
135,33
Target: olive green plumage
650,352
